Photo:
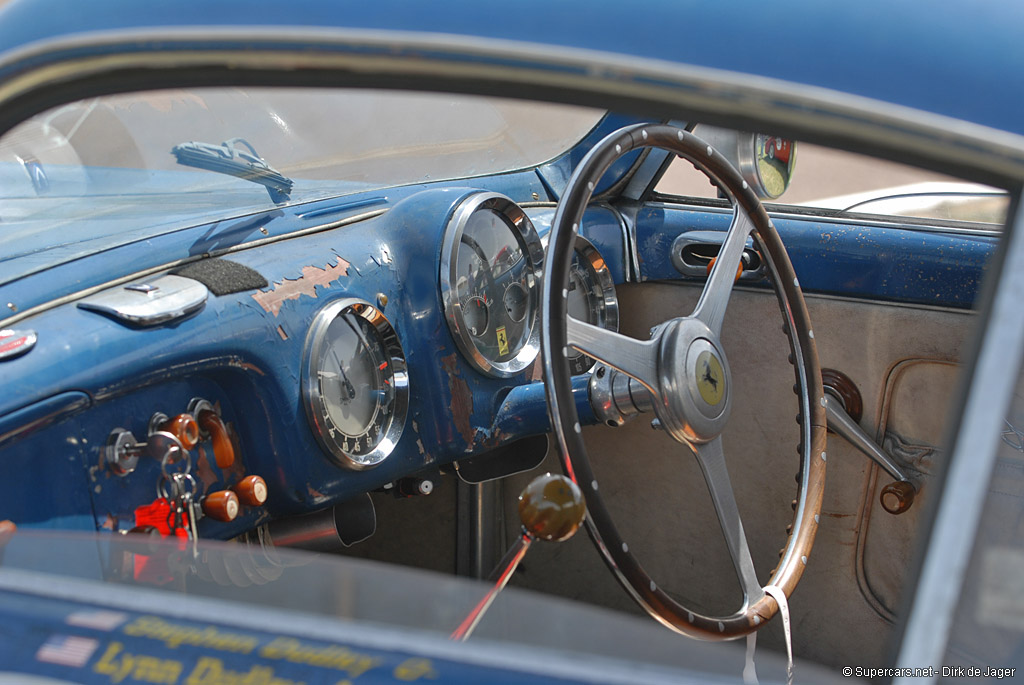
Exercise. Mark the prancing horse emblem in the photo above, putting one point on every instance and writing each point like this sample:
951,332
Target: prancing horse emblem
710,378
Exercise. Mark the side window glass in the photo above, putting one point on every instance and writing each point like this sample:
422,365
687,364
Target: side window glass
987,637
845,182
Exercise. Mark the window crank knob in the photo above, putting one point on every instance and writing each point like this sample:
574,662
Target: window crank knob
897,497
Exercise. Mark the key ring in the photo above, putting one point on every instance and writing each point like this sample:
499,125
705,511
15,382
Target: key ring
171,457
174,486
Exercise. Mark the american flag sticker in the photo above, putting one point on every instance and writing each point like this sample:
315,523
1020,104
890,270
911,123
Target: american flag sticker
97,620
67,650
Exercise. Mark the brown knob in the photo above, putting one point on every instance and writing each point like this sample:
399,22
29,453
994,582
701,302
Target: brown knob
897,497
221,505
551,507
223,450
184,428
251,491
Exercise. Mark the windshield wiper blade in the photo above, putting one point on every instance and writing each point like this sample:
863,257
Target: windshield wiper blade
227,159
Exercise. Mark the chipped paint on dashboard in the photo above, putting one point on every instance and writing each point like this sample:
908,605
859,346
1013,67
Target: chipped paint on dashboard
292,289
462,399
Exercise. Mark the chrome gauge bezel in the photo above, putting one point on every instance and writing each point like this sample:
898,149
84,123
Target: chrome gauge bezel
333,441
608,317
526,235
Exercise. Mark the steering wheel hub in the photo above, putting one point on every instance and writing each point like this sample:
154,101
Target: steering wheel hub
694,383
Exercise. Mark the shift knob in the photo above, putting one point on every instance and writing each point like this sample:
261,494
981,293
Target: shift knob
251,491
551,507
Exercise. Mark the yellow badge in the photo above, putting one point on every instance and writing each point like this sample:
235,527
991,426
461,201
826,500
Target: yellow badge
710,378
502,340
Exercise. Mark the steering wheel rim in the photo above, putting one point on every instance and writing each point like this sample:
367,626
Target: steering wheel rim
666,365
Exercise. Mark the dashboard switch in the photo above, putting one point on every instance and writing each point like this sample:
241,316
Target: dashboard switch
223,450
221,505
251,491
184,428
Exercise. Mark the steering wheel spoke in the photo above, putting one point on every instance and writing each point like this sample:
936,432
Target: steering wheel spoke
636,358
712,463
713,301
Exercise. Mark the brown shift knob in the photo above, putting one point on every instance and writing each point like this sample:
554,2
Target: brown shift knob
221,505
551,507
251,491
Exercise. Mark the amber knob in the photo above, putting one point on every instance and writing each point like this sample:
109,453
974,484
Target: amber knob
739,269
897,497
223,450
551,507
221,505
251,491
184,428
7,531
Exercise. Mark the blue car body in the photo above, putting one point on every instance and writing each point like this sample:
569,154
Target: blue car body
933,88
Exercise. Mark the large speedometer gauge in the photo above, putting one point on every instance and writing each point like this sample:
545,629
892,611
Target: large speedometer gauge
356,388
490,275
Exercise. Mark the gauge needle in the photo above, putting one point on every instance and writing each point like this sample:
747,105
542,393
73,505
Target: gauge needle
348,384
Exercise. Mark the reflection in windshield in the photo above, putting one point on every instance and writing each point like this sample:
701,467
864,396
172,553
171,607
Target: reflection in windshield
104,167
98,587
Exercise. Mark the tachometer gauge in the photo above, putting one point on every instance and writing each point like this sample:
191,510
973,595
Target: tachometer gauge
592,296
356,388
489,277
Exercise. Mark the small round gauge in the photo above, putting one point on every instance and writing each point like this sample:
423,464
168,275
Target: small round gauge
591,296
489,276
775,159
475,312
356,388
517,302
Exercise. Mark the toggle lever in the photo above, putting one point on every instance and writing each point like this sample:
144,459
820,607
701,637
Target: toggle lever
551,507
896,497
211,426
182,426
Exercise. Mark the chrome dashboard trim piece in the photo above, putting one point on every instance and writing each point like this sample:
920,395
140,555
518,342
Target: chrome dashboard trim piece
151,302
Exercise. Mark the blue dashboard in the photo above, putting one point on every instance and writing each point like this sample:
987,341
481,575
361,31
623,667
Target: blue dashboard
243,352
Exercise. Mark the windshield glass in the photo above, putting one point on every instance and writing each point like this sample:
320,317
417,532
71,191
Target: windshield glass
127,167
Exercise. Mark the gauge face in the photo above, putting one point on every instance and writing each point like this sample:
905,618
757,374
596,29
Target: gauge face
775,158
490,271
356,388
